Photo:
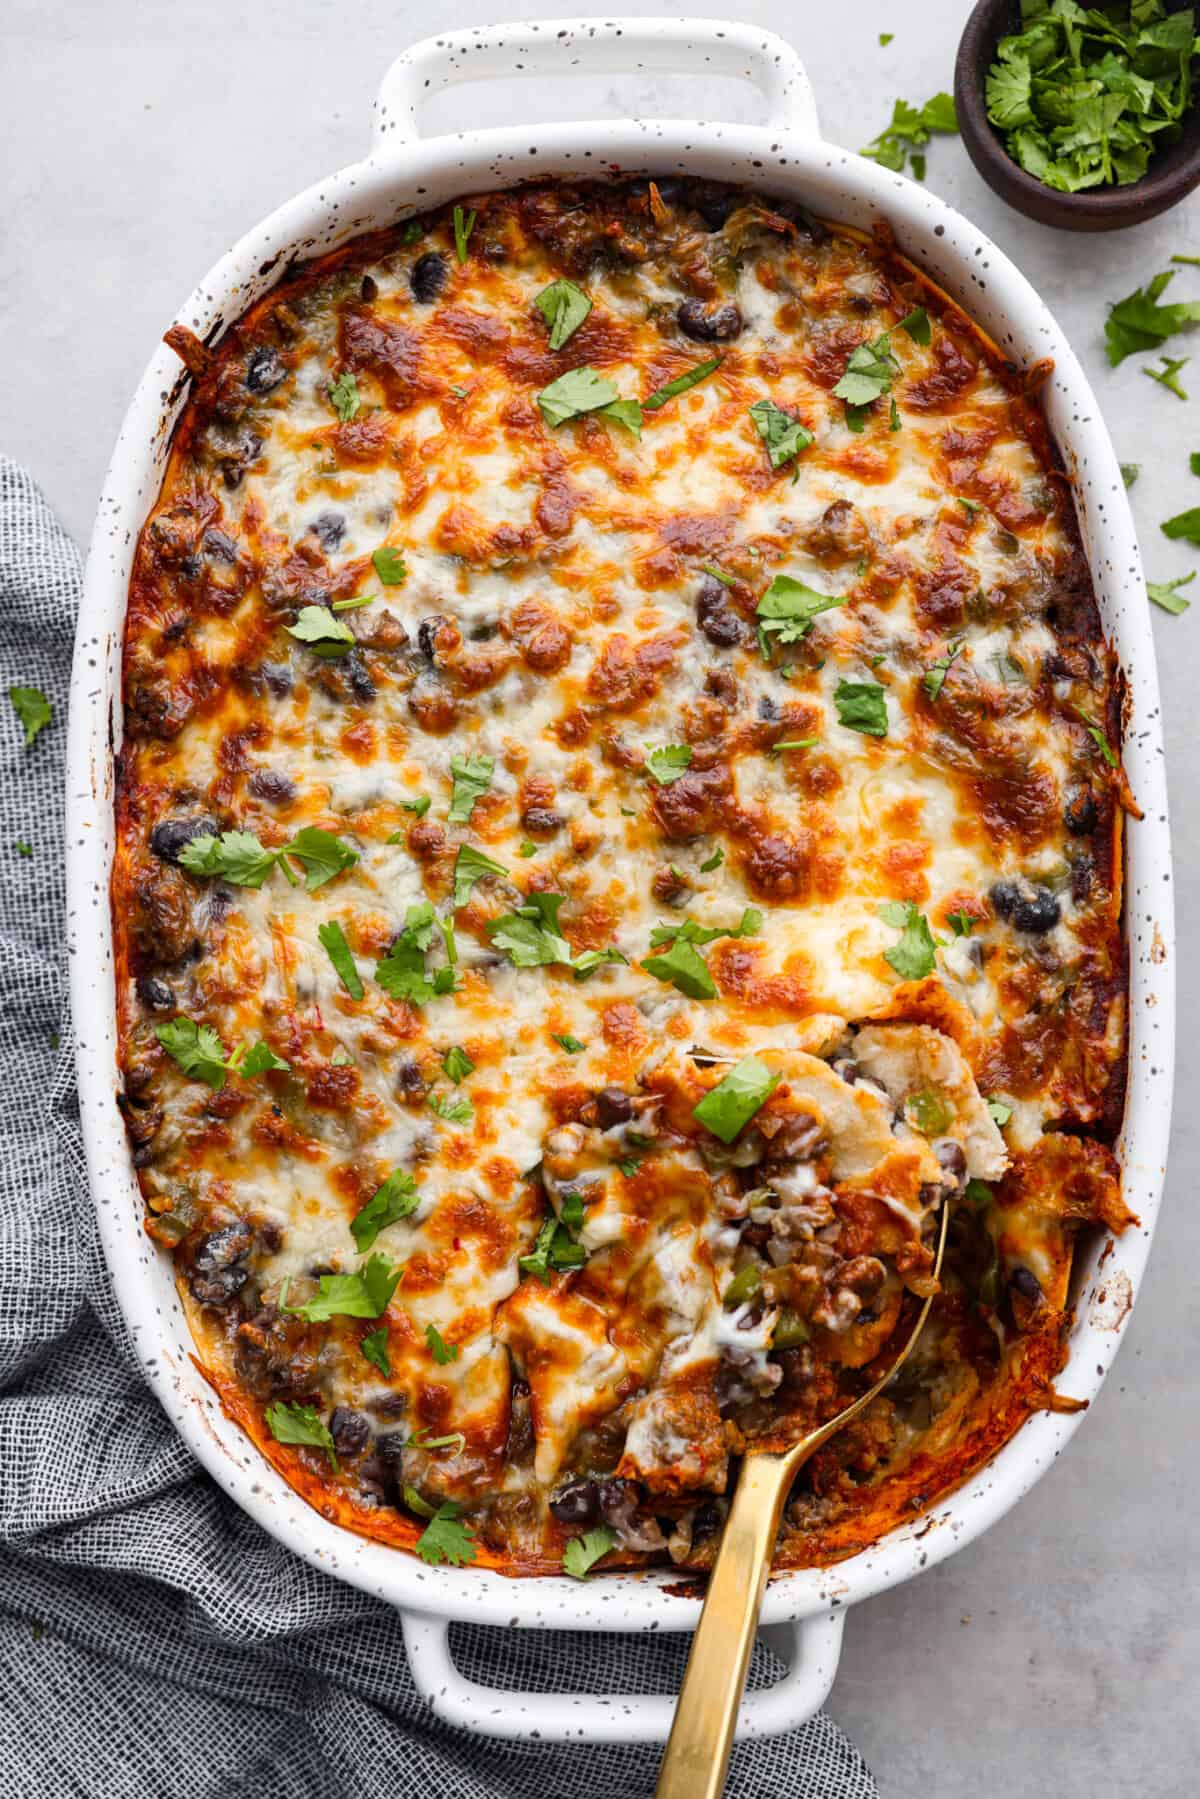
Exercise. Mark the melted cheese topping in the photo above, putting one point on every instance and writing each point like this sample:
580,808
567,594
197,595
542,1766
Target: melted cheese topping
572,599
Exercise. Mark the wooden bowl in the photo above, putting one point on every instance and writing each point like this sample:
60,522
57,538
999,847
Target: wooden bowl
1172,173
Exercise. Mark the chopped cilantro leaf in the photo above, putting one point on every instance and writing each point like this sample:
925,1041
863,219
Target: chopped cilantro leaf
23,848
32,709
1167,595
718,574
442,1352
584,390
401,972
582,1553
733,1102
1098,737
714,861
564,308
681,383
389,565
375,1347
471,777
420,806
914,956
196,1048
464,224
457,1064
1168,375
343,397
961,923
470,866
783,435
333,941
788,607
916,324
910,128
365,1294
861,706
934,678
1000,1111
669,763
572,1045
325,634
684,968
236,856
396,1198
1130,472
1184,524
446,1538
455,1110
322,854
299,1424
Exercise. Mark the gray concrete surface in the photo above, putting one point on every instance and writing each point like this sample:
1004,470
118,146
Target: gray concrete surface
1060,1654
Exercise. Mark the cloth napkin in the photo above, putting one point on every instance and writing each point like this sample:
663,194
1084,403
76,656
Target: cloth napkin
153,1640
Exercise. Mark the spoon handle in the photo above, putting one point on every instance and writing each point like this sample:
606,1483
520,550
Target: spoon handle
697,1753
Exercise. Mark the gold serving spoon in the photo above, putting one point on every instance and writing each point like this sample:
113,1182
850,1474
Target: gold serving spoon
698,1749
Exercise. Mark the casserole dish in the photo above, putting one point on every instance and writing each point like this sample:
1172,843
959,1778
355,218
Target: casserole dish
402,176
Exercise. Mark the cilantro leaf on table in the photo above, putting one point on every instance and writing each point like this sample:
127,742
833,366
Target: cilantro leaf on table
914,956
1167,595
1183,524
1139,322
582,1553
395,1198
300,1425
564,308
1168,375
32,709
911,127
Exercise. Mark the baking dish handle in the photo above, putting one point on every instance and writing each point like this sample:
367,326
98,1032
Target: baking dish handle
809,1647
557,47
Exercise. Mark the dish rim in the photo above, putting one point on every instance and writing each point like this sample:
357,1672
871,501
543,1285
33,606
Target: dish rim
391,181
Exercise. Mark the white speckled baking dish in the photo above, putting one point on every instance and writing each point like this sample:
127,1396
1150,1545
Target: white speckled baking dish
402,174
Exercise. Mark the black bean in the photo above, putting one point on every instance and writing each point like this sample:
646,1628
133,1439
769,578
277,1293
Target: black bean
271,784
217,1275
410,1082
218,1288
350,1431
1026,907
264,371
1026,1284
190,566
613,1107
219,547
154,994
709,325
953,1161
329,528
427,633
713,202
171,835
542,818
278,677
716,615
390,1449
577,1503
618,1501
427,277
361,684
768,709
1081,813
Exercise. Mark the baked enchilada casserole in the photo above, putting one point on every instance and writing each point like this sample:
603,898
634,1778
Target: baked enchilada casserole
618,824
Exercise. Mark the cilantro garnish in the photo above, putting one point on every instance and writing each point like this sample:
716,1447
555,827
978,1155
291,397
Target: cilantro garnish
236,856
1086,97
396,1198
32,709
343,397
420,806
1130,472
456,1110
794,743
1000,1112
1167,595
554,1249
457,1064
1168,375
935,677
353,604
572,1045
914,956
464,224
470,866
733,1102
861,706
322,854
300,1424
911,127
389,565
564,308
680,384
868,375
471,777
783,435
961,923
401,972
200,1054
582,1553
1183,524
324,634
365,1294
714,861
684,968
446,1538
669,763
584,390
718,574
375,1347
333,942
1138,322
788,608
530,936
442,1352
916,324
1098,737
